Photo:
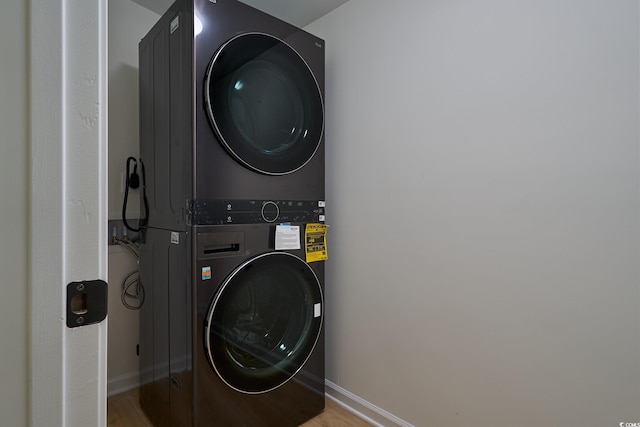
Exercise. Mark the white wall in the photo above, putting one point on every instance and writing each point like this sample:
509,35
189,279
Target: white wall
128,23
483,196
122,360
14,184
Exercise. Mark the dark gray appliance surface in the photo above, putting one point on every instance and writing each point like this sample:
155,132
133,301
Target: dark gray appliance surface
166,327
216,404
183,159
179,387
190,178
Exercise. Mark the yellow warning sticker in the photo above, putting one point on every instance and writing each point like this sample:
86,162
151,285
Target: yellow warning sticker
315,237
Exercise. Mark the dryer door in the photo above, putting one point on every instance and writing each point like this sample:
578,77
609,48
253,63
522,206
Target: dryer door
264,104
264,322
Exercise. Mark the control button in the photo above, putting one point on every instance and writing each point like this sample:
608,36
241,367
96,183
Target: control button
270,211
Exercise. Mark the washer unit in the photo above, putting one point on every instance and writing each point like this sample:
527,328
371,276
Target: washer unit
231,144
260,314
231,329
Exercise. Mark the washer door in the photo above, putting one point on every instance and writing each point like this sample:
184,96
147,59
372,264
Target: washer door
264,104
264,322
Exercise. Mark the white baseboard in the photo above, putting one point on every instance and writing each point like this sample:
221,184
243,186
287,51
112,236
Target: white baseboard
122,383
351,402
363,409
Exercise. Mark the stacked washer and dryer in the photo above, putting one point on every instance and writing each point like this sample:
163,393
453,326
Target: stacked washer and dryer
231,150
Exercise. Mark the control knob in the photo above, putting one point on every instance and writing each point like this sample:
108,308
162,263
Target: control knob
270,211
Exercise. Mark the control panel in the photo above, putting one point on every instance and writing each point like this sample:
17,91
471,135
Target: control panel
220,212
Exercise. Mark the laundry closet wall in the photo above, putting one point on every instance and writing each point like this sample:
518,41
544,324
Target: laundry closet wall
128,23
14,211
483,197
482,192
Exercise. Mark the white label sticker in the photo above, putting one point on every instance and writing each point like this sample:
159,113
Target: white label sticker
175,23
175,238
317,310
287,237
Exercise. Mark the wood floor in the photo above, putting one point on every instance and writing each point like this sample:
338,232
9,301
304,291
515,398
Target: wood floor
123,410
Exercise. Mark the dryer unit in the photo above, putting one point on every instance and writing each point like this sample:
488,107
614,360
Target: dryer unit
231,103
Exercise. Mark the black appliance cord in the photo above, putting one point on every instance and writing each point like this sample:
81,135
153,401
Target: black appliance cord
132,180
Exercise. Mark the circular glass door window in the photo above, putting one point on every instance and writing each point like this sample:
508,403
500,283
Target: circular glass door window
264,322
264,104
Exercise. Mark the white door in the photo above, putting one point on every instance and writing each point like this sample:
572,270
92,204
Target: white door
68,207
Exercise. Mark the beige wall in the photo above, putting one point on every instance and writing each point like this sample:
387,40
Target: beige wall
14,184
128,23
483,197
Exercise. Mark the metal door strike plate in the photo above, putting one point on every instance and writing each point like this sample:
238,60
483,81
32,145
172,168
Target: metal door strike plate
86,302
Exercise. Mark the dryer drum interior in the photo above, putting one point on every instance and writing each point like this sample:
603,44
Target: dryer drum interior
264,322
264,103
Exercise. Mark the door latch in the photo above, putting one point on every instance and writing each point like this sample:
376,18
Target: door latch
86,302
